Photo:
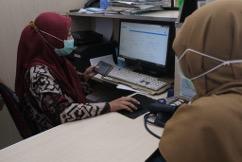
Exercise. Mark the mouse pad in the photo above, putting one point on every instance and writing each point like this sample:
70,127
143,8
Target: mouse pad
144,100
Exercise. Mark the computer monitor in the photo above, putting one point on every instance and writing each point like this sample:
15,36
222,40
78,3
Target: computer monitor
148,44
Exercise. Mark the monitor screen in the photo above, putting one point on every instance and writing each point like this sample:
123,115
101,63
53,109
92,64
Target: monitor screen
144,42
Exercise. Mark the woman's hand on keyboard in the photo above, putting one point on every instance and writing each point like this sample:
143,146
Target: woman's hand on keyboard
127,103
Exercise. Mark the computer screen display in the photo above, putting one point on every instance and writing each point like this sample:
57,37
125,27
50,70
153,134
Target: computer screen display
144,42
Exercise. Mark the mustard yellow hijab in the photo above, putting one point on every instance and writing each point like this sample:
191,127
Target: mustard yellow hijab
210,128
215,29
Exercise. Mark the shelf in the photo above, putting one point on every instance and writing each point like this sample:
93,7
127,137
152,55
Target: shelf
168,16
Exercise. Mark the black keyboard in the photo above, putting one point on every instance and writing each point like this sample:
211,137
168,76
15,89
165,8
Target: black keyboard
142,108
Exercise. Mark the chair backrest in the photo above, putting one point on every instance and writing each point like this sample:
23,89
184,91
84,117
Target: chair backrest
14,107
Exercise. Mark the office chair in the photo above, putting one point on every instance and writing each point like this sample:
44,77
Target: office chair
14,108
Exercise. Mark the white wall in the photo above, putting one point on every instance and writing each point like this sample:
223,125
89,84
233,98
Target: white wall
14,16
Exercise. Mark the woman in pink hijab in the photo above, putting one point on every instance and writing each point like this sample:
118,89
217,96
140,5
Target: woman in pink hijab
47,84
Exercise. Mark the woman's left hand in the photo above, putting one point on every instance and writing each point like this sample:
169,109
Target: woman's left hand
89,73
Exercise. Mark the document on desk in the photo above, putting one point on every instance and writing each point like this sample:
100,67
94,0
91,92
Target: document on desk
107,59
124,87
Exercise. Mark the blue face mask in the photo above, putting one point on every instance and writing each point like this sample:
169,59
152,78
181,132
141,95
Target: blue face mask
187,88
68,45
67,49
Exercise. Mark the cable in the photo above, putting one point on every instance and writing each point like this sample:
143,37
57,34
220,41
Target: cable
146,121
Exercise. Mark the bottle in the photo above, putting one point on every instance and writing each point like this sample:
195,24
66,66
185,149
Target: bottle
104,4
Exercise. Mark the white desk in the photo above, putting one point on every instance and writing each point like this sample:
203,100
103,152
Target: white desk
111,137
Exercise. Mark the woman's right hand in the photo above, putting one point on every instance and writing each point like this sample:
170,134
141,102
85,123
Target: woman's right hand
127,103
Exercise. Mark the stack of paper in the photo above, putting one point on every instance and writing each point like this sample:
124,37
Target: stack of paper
90,10
134,7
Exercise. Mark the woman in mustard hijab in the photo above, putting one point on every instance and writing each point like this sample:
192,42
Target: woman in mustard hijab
209,50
